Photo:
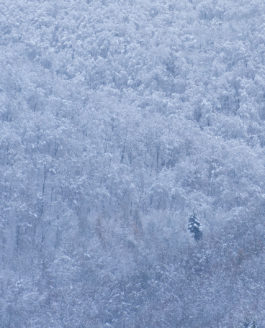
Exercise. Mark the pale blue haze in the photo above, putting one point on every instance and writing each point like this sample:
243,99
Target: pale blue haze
132,164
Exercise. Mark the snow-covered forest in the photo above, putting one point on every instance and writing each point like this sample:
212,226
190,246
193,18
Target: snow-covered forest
132,164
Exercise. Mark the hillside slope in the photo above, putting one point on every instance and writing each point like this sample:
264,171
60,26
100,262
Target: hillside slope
119,121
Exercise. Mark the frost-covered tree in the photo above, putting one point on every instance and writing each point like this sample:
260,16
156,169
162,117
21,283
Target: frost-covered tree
117,118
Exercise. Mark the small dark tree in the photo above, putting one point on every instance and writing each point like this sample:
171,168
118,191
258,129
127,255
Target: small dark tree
194,227
250,324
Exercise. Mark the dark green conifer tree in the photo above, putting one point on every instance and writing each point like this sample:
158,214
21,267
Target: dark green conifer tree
194,227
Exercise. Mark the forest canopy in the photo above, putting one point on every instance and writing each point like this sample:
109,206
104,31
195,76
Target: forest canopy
120,121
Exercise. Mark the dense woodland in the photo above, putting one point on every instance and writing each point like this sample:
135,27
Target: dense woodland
132,164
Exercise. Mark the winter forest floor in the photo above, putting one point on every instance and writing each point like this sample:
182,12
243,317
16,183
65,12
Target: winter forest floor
119,121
